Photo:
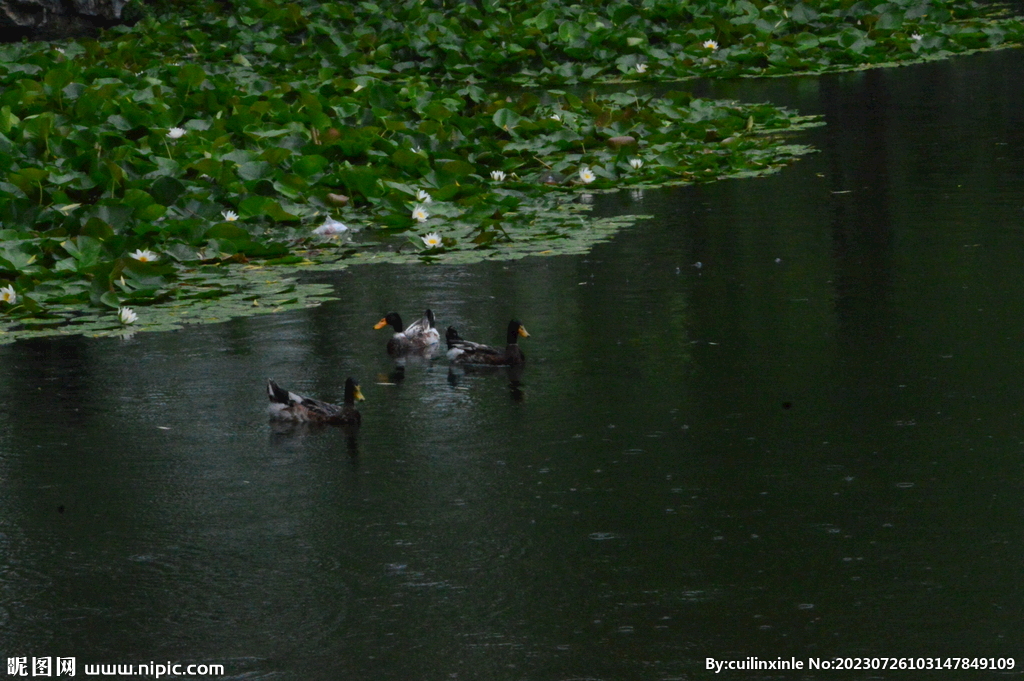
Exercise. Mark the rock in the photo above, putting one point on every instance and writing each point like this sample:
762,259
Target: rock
55,19
552,178
623,141
331,227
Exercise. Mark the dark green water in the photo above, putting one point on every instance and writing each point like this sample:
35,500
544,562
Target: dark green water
811,445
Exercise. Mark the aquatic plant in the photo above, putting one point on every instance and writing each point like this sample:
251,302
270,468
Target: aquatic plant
553,43
98,213
126,315
420,214
154,165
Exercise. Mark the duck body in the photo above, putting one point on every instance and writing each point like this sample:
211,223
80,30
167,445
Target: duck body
422,334
288,406
461,351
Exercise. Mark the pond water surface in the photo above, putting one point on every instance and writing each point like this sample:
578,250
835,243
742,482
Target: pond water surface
781,418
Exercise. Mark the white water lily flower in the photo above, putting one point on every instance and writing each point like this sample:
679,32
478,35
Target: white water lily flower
229,215
144,256
556,117
497,175
587,175
420,214
7,295
126,315
357,88
641,68
176,133
432,240
331,226
423,196
917,37
636,163
710,45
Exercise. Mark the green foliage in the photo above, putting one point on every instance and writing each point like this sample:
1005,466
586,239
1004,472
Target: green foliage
212,138
552,42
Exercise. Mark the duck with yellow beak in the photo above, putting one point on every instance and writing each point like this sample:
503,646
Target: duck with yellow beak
288,406
461,351
422,334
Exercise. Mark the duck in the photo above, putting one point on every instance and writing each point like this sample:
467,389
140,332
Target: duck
419,335
287,406
461,351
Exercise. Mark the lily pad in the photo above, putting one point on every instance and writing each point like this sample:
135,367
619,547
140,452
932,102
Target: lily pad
222,149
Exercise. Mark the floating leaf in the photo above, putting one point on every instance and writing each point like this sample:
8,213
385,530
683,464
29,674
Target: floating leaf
166,190
569,31
308,166
506,119
285,107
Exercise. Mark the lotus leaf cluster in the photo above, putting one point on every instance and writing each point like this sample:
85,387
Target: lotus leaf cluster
155,166
554,43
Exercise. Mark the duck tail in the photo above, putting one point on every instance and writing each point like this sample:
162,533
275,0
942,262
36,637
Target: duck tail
277,393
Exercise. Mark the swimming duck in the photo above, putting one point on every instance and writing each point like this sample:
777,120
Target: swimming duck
419,335
462,351
287,406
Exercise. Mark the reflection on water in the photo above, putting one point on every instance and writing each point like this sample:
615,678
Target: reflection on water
782,418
